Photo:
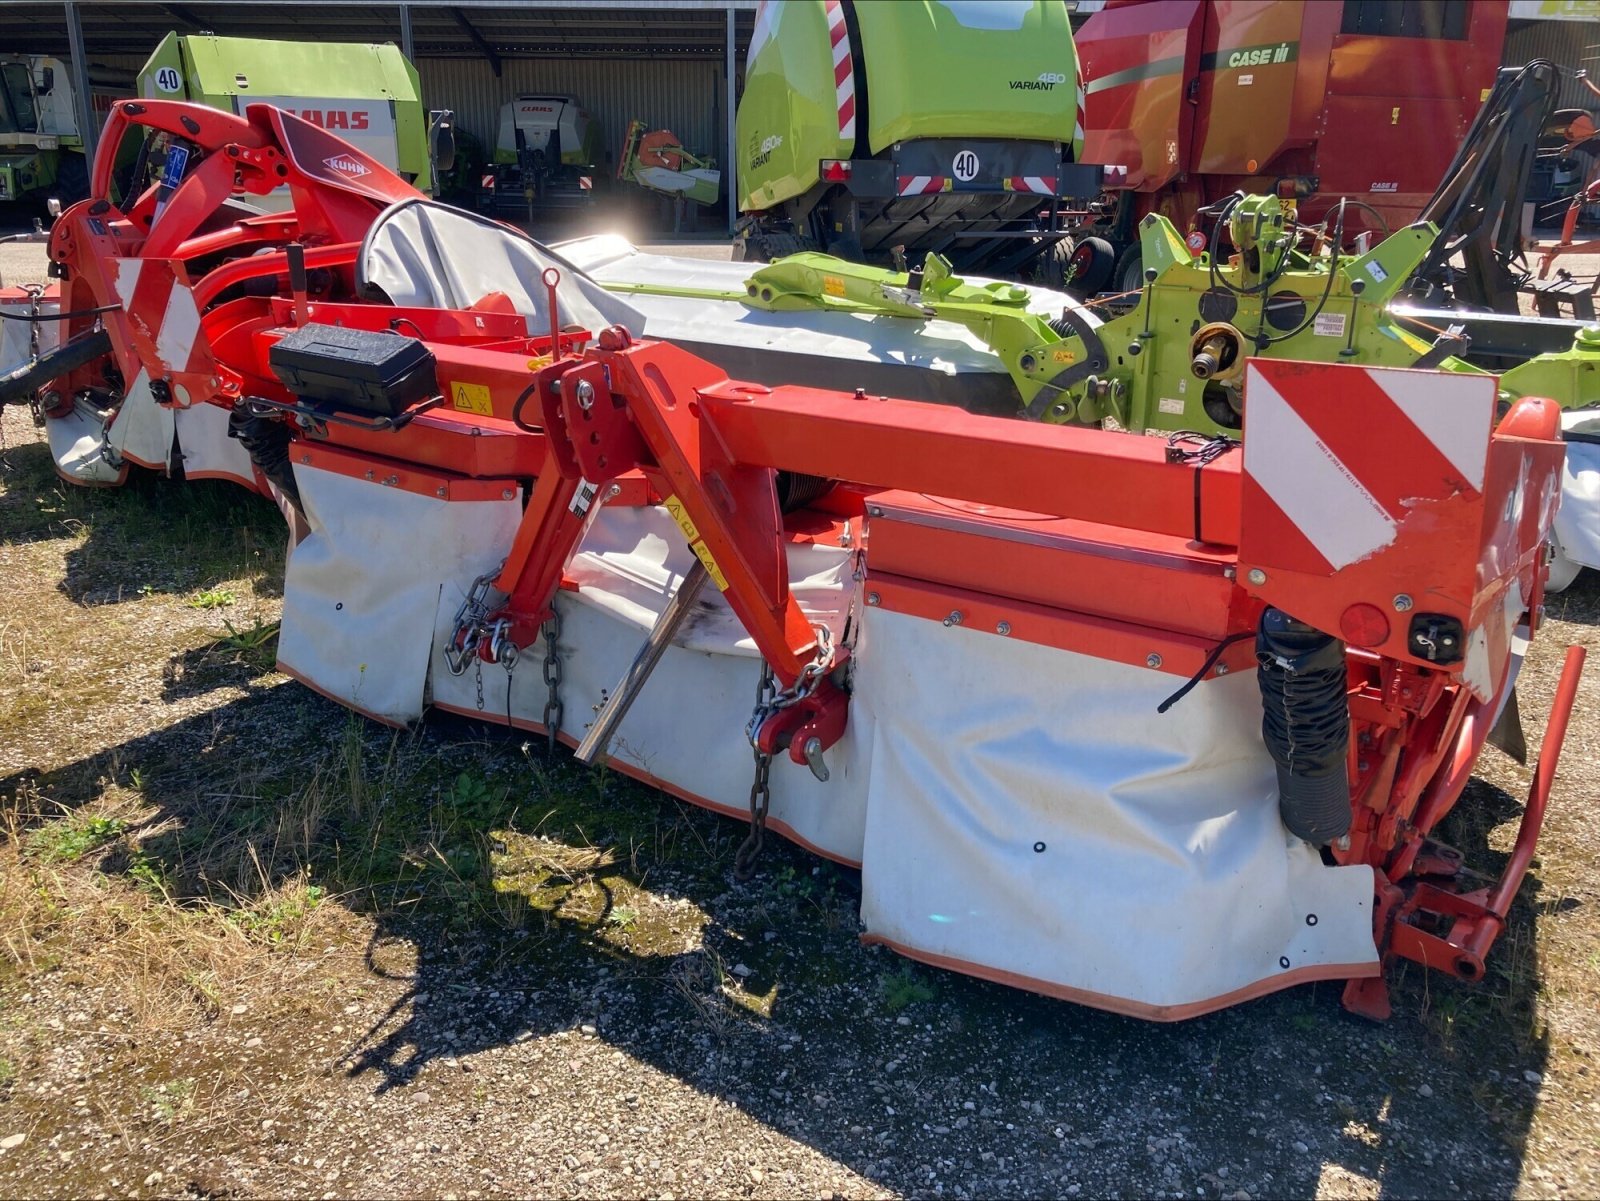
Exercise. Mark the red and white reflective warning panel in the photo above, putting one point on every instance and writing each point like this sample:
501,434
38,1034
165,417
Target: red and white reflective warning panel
919,185
1042,185
1371,490
163,322
1340,456
844,79
1077,133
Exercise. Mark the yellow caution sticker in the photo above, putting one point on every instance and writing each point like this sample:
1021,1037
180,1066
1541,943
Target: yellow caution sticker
681,516
471,398
1063,356
686,524
833,285
703,553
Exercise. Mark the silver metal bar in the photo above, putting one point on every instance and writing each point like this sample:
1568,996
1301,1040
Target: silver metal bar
595,743
730,168
83,102
407,48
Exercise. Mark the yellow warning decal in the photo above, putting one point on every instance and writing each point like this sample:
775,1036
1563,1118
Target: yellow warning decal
833,285
1063,356
681,516
471,398
703,553
692,533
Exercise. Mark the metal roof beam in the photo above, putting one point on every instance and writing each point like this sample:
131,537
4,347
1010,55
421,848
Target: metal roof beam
476,39
185,16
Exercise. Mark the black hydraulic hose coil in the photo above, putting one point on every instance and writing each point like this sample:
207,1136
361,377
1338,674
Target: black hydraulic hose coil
266,438
1305,722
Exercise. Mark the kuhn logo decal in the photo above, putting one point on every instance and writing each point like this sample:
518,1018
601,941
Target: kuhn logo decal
346,165
1045,83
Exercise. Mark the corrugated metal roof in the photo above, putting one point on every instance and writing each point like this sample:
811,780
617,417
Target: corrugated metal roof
1571,44
662,29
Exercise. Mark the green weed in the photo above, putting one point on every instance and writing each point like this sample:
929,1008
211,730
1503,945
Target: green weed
71,838
212,598
903,989
148,874
170,1101
252,645
281,917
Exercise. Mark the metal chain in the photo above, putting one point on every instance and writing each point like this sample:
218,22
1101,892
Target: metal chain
477,672
472,627
35,298
770,700
749,852
553,709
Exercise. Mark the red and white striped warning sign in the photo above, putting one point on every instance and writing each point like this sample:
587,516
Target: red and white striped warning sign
844,79
1311,430
163,323
1042,185
1077,133
919,185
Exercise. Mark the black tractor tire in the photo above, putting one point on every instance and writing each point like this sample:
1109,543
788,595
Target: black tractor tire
1092,261
72,180
1054,265
1129,275
759,246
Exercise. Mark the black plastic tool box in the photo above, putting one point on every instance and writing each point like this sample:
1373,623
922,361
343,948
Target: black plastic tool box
378,373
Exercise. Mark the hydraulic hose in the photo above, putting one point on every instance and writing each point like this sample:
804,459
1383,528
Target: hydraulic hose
19,385
1305,722
266,438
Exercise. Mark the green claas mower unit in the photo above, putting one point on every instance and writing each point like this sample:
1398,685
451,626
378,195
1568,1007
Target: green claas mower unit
874,130
1176,360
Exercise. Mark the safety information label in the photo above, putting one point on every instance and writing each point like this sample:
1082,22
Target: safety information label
692,533
1328,325
177,160
471,398
1375,269
1170,404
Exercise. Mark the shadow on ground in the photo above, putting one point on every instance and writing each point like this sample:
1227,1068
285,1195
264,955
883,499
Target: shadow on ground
526,897
540,898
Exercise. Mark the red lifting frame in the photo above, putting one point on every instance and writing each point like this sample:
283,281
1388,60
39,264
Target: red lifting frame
712,448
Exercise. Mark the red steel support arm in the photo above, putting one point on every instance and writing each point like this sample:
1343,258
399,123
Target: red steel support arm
1063,471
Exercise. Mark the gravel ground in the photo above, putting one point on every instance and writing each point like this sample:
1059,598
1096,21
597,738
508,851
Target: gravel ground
727,1040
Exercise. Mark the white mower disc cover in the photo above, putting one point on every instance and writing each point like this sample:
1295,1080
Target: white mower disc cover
1030,818
1577,524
